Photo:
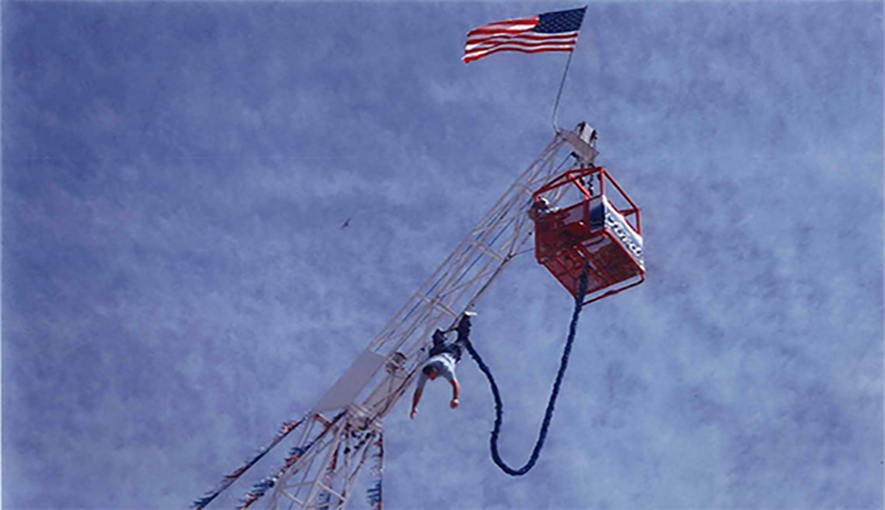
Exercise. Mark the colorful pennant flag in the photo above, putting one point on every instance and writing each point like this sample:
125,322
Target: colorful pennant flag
375,492
229,479
259,488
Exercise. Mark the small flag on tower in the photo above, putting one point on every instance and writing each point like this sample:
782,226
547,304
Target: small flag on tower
551,31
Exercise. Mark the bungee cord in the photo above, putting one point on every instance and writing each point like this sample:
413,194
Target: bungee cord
548,414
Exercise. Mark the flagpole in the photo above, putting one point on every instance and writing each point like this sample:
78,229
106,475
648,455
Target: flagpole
568,64
559,94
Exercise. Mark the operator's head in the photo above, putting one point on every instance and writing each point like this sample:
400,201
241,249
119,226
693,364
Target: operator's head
431,372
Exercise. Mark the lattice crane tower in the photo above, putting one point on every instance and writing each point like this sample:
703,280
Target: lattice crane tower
339,431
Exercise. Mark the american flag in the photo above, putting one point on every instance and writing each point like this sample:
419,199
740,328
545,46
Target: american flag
551,31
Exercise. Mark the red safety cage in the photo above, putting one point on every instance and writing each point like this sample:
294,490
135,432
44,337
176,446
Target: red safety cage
599,227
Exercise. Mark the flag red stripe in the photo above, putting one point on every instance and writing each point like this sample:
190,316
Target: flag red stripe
525,46
526,35
512,24
484,48
502,30
478,55
522,39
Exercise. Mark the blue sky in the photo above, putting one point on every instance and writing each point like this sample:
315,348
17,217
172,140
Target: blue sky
176,284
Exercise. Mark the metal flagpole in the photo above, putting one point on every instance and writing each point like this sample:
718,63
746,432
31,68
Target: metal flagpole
559,94
568,64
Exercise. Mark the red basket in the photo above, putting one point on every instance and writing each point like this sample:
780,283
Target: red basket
599,231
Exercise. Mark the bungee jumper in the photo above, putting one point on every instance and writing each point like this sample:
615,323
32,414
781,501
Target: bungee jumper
443,357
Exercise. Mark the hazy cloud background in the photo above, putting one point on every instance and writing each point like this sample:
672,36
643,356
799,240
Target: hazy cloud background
176,284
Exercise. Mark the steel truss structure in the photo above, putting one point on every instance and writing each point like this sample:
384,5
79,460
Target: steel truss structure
340,430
